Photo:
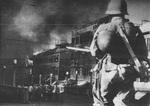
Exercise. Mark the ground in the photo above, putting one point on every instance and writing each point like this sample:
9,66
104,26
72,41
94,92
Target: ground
65,100
46,104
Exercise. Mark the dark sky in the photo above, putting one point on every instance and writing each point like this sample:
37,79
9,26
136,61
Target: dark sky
41,21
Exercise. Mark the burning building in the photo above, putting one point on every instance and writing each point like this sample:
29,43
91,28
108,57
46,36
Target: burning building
61,60
51,62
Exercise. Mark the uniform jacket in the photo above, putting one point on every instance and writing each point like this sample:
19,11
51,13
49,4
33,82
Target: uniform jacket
107,40
115,73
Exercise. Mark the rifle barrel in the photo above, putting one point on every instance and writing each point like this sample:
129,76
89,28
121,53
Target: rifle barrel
78,49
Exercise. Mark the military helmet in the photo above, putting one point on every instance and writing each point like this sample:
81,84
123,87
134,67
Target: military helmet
117,7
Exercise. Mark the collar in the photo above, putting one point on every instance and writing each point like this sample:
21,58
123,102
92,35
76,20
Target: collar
117,19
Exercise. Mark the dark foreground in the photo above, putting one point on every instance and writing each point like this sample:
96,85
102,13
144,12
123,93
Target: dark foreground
47,104
63,100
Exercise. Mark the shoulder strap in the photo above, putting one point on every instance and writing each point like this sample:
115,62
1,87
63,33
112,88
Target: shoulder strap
137,63
126,42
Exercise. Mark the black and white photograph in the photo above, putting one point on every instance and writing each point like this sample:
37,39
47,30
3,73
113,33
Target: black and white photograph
74,52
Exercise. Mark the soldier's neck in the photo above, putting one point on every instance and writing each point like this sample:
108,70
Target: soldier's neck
117,19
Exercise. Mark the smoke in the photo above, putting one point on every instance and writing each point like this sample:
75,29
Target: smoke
26,21
41,24
65,36
36,22
48,22
139,10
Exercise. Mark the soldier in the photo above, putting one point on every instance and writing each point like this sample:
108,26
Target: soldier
115,73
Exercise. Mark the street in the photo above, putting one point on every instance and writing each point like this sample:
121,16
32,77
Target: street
46,104
65,100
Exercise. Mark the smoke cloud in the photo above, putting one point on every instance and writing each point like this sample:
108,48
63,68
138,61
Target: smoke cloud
47,22
26,22
44,23
139,10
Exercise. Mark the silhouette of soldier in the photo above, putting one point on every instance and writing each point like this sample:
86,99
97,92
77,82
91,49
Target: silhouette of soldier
115,72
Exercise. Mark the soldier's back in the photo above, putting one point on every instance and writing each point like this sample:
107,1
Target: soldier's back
110,41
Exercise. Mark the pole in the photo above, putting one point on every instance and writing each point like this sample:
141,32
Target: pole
3,75
40,78
50,78
14,73
76,76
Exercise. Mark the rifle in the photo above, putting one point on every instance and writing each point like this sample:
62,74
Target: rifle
78,49
140,68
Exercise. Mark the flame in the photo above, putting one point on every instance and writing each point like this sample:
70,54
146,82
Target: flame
58,38
36,52
42,48
54,37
